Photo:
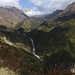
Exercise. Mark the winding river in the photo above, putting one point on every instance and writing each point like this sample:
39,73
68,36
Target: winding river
34,50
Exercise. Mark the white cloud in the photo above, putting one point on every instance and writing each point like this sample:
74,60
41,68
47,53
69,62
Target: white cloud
39,2
41,6
14,3
48,6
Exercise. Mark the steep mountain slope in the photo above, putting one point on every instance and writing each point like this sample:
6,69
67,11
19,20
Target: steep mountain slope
69,10
11,16
17,60
34,22
48,25
30,23
54,42
61,37
67,14
58,45
16,39
55,38
53,14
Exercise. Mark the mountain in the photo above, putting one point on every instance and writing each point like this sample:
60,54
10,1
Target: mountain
30,23
15,38
55,38
17,61
16,53
69,10
55,21
29,12
65,15
11,16
53,41
48,16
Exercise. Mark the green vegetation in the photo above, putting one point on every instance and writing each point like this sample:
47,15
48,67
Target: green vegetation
55,38
30,23
15,58
18,25
54,41
18,39
58,45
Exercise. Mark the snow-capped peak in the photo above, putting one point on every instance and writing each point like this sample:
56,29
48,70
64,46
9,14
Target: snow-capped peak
31,12
26,10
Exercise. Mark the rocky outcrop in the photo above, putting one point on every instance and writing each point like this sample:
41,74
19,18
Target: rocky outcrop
73,69
7,41
7,71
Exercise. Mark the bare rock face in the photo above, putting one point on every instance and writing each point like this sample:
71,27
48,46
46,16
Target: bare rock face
73,69
11,16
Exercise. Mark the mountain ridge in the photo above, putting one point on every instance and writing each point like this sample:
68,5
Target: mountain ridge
11,16
56,20
56,35
54,42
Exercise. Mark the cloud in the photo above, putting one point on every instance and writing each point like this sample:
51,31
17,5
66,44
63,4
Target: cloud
48,6
14,3
40,6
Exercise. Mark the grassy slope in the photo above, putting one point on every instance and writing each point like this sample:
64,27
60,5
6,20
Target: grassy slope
58,45
58,37
65,15
18,59
57,42
31,23
18,39
15,58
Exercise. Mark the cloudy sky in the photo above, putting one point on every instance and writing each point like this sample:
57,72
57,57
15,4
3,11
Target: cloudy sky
38,7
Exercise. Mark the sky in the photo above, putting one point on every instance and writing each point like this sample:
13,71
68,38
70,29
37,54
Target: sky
37,7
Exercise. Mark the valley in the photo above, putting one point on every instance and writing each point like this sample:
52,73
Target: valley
42,45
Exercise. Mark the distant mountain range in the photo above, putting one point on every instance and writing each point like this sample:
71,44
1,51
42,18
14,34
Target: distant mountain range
65,15
48,16
36,20
13,17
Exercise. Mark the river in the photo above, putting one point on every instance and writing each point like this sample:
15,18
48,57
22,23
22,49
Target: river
34,50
